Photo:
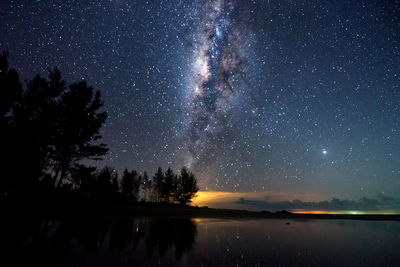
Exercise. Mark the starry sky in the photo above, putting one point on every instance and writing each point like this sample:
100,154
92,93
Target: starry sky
293,98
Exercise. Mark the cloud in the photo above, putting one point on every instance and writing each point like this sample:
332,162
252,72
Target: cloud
380,203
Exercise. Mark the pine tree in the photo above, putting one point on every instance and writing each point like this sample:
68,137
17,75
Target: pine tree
127,183
104,187
146,186
51,127
169,185
158,182
10,94
186,188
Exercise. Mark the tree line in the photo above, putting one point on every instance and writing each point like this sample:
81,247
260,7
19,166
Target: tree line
166,187
49,127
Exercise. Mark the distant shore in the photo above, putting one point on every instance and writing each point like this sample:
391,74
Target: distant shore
74,208
205,212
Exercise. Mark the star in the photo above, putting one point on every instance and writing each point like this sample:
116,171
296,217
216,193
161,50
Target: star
227,86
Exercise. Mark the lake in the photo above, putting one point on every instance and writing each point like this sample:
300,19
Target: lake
148,241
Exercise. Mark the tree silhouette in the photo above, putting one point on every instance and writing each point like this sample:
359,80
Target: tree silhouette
131,184
85,179
169,185
104,184
48,128
10,87
115,185
158,184
78,127
137,181
35,118
186,188
146,186
10,92
127,183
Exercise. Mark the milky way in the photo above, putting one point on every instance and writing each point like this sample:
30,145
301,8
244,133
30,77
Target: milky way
217,67
297,97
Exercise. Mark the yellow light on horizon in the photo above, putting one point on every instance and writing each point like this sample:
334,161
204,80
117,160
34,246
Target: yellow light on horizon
230,200
203,198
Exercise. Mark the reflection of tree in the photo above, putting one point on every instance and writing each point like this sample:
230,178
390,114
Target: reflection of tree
58,241
165,233
127,233
185,235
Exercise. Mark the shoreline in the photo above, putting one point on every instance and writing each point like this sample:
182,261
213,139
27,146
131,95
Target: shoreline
70,209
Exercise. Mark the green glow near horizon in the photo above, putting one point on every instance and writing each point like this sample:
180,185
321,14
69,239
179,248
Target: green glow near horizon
349,212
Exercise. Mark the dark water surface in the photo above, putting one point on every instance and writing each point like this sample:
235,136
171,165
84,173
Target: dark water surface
200,242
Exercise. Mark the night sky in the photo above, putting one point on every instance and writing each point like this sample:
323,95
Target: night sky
297,98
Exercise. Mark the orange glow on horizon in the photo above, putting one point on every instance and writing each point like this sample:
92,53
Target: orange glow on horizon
347,212
230,200
313,212
223,199
203,198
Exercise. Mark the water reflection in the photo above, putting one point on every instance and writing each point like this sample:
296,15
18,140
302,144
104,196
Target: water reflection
199,242
54,242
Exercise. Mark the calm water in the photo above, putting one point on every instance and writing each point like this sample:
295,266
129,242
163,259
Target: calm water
201,242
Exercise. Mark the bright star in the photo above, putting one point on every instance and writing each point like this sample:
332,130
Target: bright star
324,151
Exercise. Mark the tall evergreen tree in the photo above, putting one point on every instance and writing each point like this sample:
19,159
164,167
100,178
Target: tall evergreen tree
186,188
79,127
37,113
104,182
131,184
84,178
10,88
115,185
10,93
127,183
158,182
50,127
146,186
137,182
168,185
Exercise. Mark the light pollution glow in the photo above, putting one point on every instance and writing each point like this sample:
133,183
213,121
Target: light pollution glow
229,200
222,199
347,212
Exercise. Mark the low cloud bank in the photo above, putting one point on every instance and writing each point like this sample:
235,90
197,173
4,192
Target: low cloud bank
380,203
